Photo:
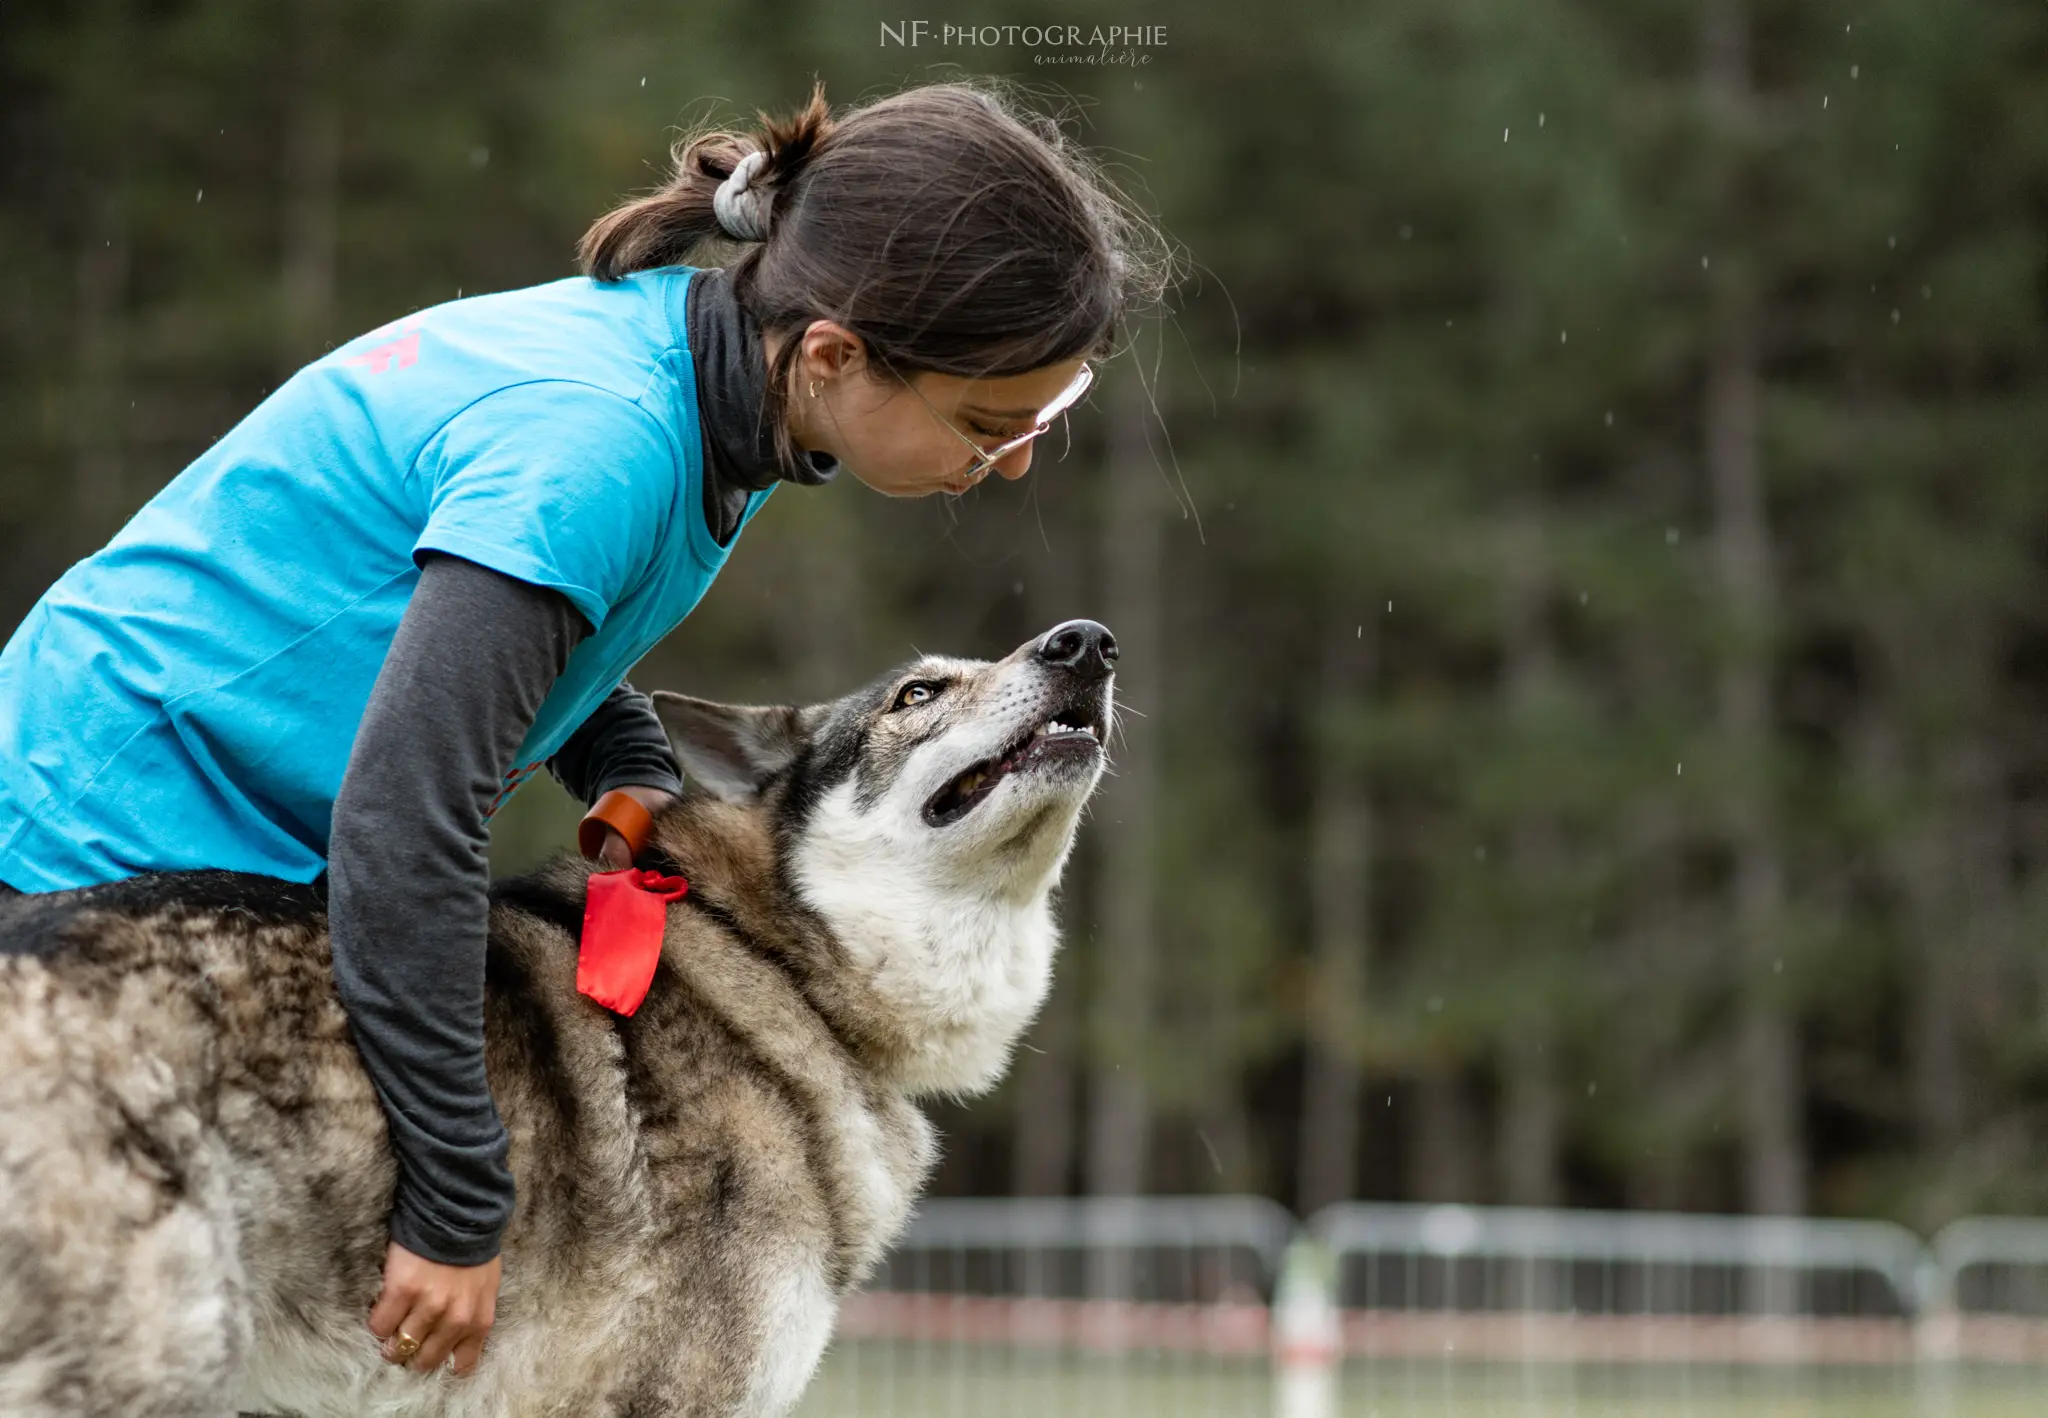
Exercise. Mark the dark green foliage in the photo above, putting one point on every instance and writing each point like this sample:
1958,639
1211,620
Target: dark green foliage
1439,384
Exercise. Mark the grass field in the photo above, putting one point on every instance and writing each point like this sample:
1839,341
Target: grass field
876,1380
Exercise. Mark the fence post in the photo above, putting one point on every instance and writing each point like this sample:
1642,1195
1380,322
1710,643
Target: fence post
1307,1333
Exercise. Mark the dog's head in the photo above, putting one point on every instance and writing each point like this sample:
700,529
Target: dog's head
925,819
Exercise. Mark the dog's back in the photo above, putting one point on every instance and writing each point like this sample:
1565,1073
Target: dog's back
130,1083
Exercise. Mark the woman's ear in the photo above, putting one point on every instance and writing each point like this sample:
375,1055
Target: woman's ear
830,351
733,750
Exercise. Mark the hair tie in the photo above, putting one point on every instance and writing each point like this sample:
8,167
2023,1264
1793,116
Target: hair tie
741,207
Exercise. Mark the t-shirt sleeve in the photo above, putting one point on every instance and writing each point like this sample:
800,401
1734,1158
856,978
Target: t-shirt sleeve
554,483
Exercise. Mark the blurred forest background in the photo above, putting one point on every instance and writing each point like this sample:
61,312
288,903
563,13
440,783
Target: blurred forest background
1582,565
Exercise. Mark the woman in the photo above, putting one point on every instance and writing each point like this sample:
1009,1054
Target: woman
418,572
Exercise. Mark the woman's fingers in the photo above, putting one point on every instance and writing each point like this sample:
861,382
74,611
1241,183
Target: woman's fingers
393,1301
409,1344
458,1333
614,855
468,1352
437,1334
427,1312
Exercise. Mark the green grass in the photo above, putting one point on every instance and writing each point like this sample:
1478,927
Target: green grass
872,1380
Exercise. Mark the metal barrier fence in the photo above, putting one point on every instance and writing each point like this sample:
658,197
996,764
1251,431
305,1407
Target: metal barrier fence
1065,1306
1621,1287
1988,1297
1228,1305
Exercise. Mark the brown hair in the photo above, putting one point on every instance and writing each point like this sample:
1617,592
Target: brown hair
952,230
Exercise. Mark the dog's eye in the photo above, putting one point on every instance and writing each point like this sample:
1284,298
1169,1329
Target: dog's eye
916,692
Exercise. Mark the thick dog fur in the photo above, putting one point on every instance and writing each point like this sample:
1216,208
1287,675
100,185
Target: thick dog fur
194,1177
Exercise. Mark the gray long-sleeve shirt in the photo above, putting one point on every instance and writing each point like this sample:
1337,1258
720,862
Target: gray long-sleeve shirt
408,879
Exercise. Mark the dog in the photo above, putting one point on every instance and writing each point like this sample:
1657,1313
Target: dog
195,1180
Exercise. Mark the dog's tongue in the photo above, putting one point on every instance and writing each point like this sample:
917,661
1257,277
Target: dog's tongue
623,917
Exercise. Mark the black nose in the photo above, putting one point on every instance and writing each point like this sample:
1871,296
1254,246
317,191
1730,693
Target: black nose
1084,646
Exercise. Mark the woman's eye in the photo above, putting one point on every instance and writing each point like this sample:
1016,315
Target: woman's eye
915,694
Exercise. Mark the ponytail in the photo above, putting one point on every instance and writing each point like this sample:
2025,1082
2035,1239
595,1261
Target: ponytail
668,228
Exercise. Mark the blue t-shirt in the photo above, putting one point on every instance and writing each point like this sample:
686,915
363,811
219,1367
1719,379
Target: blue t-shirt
188,696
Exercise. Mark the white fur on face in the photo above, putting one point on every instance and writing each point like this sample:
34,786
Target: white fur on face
951,925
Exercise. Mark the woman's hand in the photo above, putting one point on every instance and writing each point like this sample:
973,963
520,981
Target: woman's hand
446,1309
614,854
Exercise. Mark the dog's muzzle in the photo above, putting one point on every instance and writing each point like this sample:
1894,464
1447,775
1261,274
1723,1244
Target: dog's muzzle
1079,655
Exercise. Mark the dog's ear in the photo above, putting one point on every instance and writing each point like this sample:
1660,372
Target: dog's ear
732,749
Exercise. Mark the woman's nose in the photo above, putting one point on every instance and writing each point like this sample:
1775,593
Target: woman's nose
1015,465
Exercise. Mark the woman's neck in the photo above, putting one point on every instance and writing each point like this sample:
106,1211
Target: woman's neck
732,358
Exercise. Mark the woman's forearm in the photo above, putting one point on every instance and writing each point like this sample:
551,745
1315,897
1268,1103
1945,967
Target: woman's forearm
408,896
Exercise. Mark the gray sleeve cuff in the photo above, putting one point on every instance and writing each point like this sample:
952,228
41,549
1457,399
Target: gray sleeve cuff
621,745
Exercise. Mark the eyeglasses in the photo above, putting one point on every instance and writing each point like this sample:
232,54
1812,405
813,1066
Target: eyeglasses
987,458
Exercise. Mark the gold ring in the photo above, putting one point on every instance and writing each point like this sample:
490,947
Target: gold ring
405,1346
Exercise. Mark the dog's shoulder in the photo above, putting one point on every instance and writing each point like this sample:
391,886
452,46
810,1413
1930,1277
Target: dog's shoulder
552,893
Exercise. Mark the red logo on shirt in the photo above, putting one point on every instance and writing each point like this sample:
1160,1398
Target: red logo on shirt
404,350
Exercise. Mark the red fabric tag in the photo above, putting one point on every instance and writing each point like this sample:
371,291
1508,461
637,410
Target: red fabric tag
623,918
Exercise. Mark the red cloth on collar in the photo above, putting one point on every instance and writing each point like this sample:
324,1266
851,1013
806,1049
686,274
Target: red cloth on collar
624,916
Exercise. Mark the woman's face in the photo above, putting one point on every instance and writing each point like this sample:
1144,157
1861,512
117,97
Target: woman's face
911,439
